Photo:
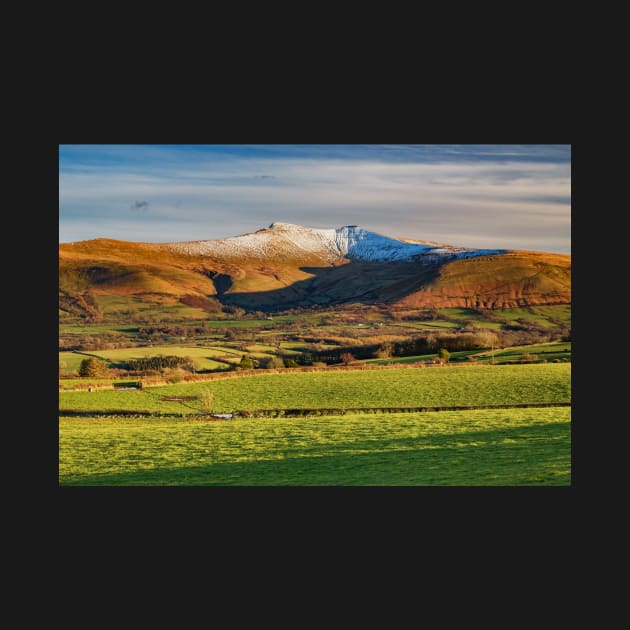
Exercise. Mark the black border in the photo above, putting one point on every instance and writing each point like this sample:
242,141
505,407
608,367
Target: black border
396,116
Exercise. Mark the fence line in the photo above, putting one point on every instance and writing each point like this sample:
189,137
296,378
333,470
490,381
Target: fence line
301,412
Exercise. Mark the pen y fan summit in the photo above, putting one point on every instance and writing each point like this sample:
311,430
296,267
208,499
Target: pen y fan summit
285,266
287,241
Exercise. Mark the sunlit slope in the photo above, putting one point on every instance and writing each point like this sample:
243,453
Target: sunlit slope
513,279
273,268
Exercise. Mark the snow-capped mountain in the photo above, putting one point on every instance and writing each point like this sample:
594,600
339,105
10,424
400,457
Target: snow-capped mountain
286,266
289,241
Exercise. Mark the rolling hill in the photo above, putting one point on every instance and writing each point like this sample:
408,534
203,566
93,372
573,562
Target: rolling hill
285,266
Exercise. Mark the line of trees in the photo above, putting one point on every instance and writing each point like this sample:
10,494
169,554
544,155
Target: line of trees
422,344
147,332
159,362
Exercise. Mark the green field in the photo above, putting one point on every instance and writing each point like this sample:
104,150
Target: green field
440,386
116,307
507,447
71,382
455,356
250,323
96,329
546,351
202,356
70,362
539,314
428,325
209,357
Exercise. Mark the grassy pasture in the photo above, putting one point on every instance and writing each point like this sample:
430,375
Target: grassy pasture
471,448
203,356
428,325
250,323
463,315
462,354
539,314
547,351
96,329
115,307
71,382
70,362
464,385
297,347
207,357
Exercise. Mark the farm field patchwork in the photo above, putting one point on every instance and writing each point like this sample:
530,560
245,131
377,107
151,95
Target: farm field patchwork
463,448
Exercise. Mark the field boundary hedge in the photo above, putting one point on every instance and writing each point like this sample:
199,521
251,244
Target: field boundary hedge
302,412
159,381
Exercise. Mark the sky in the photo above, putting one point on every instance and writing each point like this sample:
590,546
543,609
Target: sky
486,196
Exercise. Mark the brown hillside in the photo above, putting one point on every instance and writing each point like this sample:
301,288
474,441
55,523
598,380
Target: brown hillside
159,273
516,278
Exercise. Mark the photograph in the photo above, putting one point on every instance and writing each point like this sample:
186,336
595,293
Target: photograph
314,315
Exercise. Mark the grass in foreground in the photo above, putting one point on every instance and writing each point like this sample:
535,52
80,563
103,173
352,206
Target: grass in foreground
472,448
472,385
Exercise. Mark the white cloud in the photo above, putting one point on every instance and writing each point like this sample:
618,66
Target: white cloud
483,204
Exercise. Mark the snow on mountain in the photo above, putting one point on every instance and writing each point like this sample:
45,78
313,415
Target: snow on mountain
288,241
359,244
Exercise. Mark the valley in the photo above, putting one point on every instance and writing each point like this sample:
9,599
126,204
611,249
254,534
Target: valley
303,356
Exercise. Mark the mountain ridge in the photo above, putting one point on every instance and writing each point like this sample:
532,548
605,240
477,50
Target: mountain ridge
286,265
331,244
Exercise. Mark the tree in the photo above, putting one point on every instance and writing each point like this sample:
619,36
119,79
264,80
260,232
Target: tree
306,358
269,363
206,397
347,357
487,339
384,351
444,355
246,363
92,368
159,362
290,363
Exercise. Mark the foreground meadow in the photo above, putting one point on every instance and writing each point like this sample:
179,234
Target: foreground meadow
396,387
462,448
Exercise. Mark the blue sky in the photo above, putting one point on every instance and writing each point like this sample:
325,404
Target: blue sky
513,196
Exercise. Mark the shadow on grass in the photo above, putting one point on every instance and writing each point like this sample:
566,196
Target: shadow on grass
534,455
